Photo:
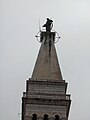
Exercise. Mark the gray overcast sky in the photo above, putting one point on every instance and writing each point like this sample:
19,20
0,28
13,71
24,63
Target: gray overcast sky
19,22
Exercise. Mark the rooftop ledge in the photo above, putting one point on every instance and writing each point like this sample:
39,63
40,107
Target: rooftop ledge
45,95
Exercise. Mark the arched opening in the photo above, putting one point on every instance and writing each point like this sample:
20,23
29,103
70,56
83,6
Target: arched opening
34,116
45,117
57,117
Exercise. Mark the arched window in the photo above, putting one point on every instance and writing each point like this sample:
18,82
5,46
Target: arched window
45,117
34,117
57,117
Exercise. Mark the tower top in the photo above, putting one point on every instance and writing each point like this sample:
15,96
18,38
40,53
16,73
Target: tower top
45,97
47,65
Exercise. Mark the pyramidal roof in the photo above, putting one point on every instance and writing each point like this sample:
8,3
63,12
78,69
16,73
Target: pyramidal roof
47,65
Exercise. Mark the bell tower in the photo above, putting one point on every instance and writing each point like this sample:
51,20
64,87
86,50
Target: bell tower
45,97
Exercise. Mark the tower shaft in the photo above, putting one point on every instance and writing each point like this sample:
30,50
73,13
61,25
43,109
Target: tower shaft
45,97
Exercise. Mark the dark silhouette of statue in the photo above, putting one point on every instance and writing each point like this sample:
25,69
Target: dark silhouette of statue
48,25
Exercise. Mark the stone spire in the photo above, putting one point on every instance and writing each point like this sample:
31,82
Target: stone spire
47,65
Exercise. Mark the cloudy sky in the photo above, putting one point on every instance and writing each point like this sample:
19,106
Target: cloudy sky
19,23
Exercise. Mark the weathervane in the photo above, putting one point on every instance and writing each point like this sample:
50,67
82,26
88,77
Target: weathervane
48,25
